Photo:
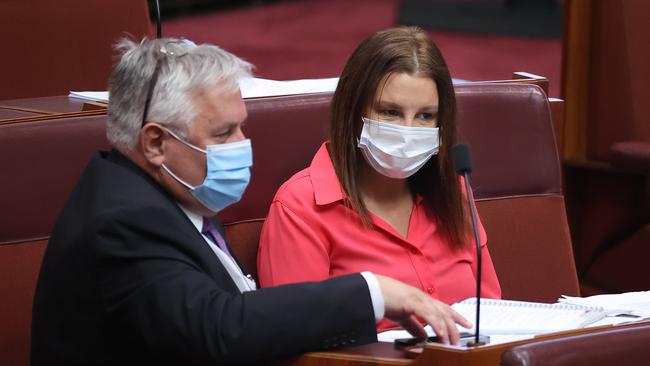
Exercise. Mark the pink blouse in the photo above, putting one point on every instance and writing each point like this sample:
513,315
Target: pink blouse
310,235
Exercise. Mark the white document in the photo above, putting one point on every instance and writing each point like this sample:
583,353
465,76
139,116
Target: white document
250,88
257,88
634,303
509,321
520,317
95,96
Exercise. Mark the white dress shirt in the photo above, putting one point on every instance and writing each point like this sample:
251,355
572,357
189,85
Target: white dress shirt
246,283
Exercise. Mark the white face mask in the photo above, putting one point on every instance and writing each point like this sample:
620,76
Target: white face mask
397,151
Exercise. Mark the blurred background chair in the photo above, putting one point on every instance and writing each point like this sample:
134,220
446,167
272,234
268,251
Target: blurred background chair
620,263
606,66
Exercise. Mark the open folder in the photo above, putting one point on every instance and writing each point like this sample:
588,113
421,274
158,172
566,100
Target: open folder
520,317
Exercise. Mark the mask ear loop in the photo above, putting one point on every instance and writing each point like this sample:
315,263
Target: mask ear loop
184,142
177,178
181,181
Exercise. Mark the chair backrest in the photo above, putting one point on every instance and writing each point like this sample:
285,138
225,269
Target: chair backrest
518,185
516,180
286,133
621,347
41,162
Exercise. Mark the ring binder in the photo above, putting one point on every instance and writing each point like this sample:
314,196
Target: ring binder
521,317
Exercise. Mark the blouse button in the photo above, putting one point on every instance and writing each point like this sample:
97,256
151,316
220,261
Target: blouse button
430,290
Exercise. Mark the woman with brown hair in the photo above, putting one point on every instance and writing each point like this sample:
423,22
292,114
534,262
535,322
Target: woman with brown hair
381,195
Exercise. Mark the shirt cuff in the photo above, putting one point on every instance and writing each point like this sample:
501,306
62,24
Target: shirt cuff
376,296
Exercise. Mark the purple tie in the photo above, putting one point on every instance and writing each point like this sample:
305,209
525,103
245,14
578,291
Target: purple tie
213,234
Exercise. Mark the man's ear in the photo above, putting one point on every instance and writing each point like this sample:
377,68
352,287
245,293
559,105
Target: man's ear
152,141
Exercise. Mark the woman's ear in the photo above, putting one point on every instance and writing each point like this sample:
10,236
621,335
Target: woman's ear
152,141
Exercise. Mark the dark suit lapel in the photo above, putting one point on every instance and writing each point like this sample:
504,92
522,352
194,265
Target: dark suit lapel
188,234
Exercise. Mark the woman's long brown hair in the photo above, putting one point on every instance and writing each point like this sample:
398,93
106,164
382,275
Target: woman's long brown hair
398,50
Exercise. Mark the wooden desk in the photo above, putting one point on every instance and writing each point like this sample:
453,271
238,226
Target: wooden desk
32,109
8,114
381,353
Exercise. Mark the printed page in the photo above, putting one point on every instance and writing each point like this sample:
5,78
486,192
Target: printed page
519,317
630,303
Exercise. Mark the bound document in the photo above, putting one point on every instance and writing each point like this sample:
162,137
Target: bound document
520,317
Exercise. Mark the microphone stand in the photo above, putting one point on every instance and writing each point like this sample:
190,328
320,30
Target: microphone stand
158,20
477,238
463,166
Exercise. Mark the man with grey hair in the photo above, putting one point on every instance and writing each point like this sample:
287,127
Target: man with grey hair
137,270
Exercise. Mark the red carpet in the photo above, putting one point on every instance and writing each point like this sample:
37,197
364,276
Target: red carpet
313,38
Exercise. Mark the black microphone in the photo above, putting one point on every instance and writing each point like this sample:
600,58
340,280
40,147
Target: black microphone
462,160
158,20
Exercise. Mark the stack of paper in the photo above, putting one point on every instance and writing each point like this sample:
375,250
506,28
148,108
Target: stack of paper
95,96
257,88
521,317
626,305
507,321
250,88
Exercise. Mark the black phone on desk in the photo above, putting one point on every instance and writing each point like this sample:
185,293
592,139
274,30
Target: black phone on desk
419,342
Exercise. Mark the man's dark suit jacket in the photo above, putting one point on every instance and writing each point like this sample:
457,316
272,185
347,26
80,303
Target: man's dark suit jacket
128,280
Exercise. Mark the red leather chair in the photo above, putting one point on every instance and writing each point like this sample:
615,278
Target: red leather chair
621,347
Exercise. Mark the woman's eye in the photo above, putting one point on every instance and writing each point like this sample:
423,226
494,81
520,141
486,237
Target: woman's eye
425,116
390,113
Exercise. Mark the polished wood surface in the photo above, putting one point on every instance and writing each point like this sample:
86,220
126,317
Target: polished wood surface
8,113
520,77
375,354
46,105
35,109
382,353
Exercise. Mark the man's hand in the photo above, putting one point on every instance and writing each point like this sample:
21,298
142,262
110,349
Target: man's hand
403,303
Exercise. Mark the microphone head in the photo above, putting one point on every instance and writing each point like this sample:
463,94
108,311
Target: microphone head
461,158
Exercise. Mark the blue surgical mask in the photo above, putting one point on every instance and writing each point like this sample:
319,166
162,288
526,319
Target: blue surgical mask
228,173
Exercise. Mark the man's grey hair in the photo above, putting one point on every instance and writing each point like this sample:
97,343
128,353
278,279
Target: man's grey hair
189,70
